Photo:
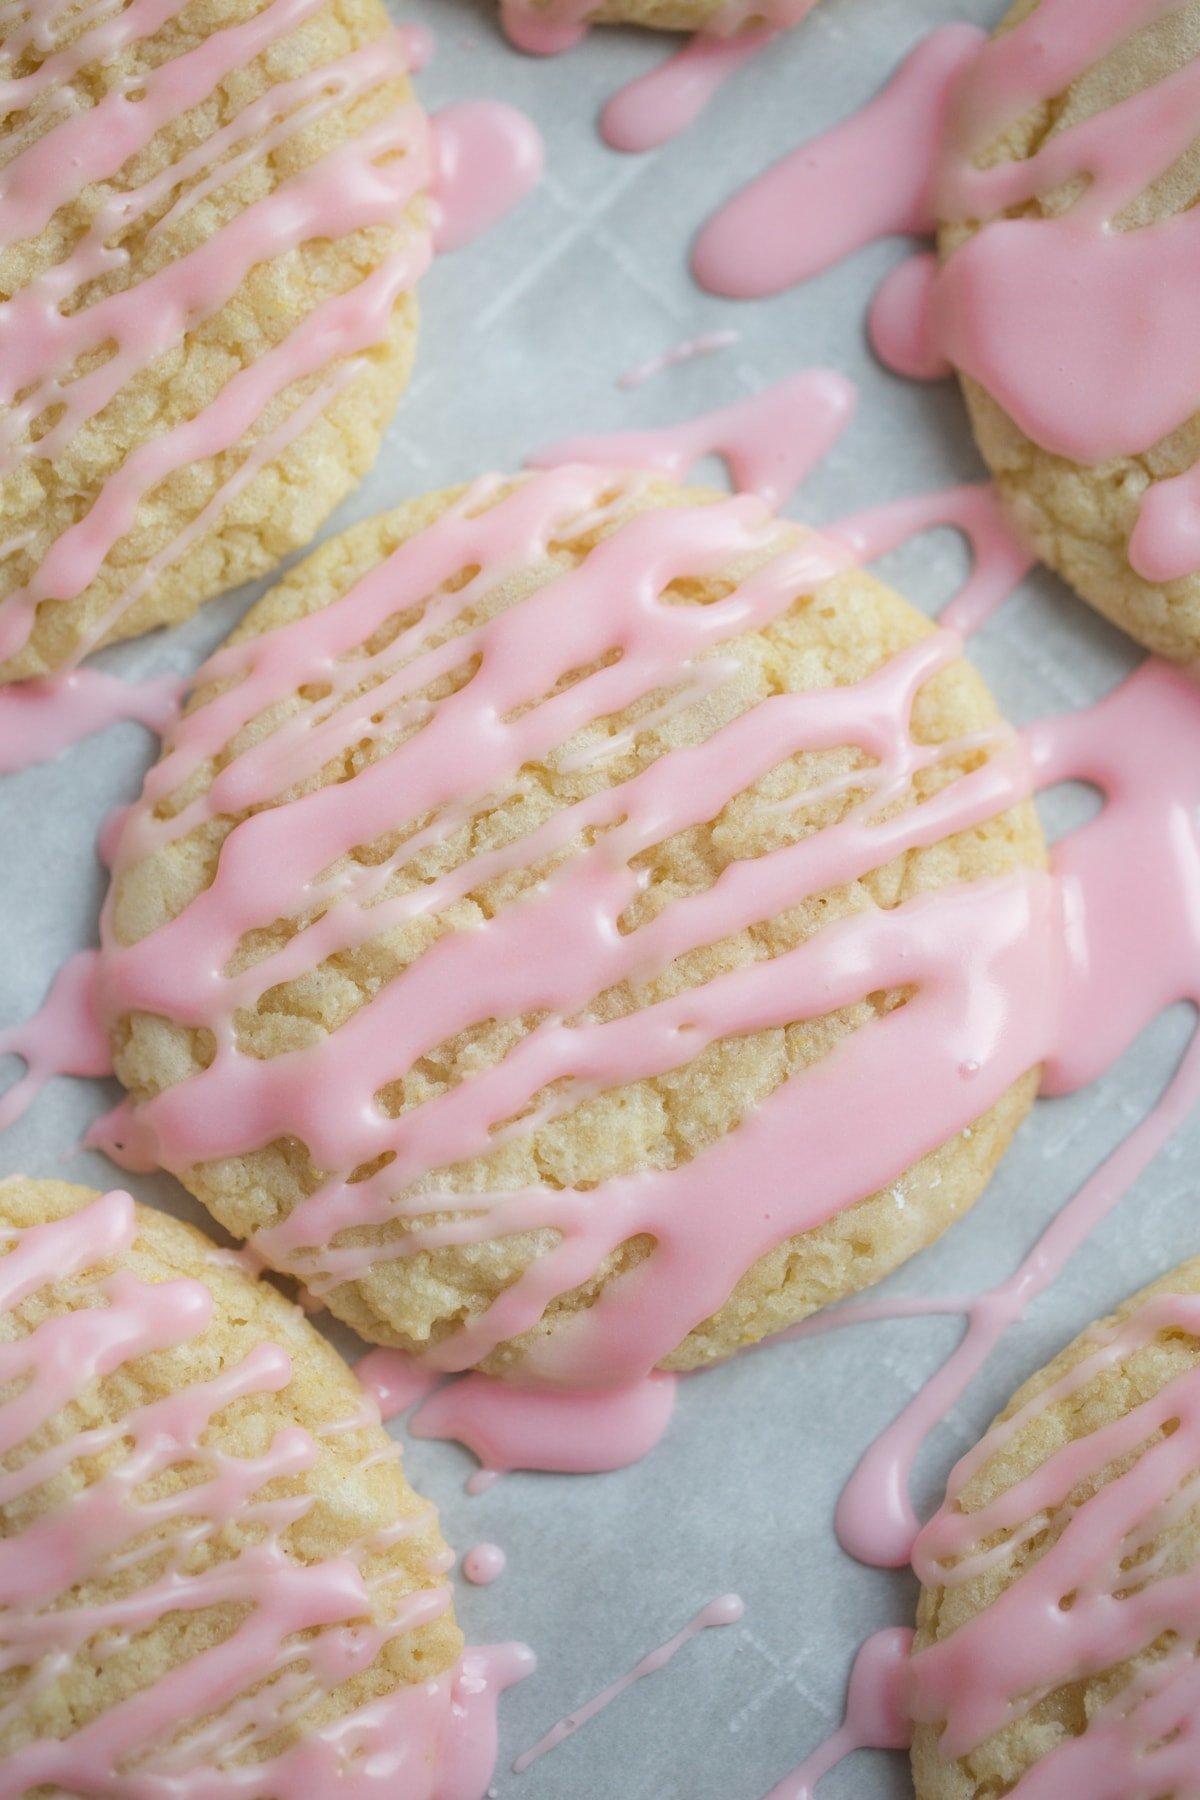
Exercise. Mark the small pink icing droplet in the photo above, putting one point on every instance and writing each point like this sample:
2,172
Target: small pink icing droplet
483,1564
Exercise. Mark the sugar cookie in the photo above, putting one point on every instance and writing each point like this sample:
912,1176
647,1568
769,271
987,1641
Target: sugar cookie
1056,1644
210,229
552,845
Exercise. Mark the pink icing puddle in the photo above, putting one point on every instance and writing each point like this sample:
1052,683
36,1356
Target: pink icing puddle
999,562
769,442
876,1718
483,1564
394,1381
40,718
64,1037
727,1610
867,178
1131,898
583,1433
705,345
435,1739
369,180
659,106
487,157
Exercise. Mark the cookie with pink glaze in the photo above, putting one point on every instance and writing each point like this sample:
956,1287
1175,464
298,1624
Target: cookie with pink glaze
1055,1650
1074,352
211,229
547,26
548,894
214,1576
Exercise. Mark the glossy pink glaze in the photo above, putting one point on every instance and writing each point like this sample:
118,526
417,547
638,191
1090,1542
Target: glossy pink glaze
483,1564
1130,881
705,345
585,1433
436,1739
40,718
487,157
367,181
867,178
727,1610
64,1037
394,1381
769,442
982,958
999,563
657,107
877,1716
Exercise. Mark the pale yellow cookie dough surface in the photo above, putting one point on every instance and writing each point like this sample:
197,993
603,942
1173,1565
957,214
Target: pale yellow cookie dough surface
998,1764
852,627
357,1485
1079,519
283,505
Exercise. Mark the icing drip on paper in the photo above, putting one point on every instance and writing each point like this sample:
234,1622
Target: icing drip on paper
64,1037
40,718
659,106
1099,1592
366,181
727,1610
184,1736
487,157
586,1433
867,178
769,442
876,1713
979,958
999,563
704,345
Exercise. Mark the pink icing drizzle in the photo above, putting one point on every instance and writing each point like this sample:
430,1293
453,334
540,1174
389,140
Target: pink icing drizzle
367,181
64,1037
1131,895
487,157
876,1718
40,718
981,958
704,345
867,178
433,1737
727,1610
769,442
584,1433
999,562
657,107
